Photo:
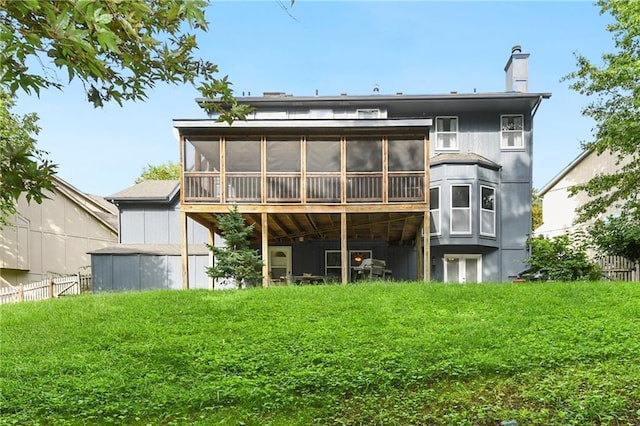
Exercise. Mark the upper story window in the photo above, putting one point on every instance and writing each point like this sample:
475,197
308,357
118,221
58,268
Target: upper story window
460,209
447,133
487,211
368,113
512,131
434,210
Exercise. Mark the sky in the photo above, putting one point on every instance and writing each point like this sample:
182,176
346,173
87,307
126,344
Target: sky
334,47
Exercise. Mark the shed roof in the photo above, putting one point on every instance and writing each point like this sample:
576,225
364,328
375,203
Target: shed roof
151,249
148,190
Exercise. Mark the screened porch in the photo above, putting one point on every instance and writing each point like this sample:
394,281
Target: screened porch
326,170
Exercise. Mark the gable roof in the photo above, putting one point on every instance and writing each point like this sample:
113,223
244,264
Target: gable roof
161,191
94,205
564,172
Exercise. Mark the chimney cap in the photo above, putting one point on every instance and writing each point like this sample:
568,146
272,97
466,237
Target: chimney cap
516,49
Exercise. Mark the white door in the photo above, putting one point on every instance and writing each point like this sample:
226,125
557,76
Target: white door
279,263
462,268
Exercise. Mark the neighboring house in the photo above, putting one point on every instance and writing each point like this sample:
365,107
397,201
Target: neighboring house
437,186
558,207
148,255
53,238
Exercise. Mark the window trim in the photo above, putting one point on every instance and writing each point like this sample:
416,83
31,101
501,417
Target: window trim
469,209
482,210
503,132
457,133
438,210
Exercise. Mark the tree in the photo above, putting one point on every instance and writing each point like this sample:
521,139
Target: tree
618,235
166,171
558,259
117,50
23,168
615,107
536,210
237,260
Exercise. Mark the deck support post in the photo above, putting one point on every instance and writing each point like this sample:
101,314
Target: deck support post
419,255
184,249
212,260
265,249
344,252
426,237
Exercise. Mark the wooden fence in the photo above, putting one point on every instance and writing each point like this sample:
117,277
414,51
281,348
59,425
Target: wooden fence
617,268
46,289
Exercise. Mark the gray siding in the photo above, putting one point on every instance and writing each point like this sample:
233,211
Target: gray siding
136,272
503,256
310,257
141,224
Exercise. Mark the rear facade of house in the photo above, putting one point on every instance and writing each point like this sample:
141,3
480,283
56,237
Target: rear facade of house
437,187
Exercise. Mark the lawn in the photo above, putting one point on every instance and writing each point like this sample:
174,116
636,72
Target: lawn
377,353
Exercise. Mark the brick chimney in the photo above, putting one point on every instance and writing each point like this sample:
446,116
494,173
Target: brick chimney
517,71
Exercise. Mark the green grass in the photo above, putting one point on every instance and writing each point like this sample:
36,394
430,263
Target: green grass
379,353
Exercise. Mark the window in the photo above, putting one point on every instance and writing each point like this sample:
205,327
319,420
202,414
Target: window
368,113
511,129
434,210
447,133
460,209
488,211
333,261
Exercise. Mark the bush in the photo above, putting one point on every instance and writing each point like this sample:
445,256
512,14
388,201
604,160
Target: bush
560,259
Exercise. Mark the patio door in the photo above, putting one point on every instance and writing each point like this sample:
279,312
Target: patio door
279,263
462,268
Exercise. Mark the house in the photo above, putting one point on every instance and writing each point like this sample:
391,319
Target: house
437,186
53,238
558,207
148,253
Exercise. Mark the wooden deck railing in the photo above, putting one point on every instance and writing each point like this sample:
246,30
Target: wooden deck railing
323,188
364,187
287,187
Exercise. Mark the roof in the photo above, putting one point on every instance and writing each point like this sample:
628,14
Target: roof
564,172
400,105
463,158
151,249
94,205
148,190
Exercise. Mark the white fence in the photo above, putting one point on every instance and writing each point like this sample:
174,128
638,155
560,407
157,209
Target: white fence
46,289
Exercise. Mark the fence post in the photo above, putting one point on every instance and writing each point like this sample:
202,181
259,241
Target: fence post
21,293
51,288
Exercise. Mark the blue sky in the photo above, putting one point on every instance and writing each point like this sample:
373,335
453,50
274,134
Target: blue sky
414,47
